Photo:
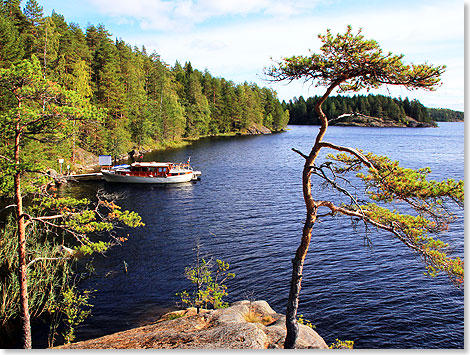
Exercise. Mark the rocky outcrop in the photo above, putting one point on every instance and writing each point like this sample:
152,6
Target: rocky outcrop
85,161
244,325
255,130
357,119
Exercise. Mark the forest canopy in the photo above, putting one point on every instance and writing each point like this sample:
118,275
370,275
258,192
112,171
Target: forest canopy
140,101
303,111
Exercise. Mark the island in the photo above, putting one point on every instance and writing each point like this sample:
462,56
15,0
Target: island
358,119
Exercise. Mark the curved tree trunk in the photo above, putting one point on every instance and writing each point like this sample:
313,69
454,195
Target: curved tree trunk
311,206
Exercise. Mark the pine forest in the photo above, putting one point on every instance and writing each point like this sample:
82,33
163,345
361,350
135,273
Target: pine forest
137,101
303,111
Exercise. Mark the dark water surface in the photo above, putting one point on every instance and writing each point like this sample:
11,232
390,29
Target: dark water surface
248,210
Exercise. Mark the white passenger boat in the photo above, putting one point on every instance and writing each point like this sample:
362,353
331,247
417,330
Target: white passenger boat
151,173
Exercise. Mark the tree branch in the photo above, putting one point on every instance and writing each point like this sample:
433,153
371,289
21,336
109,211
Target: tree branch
7,207
363,216
6,158
352,151
300,153
41,259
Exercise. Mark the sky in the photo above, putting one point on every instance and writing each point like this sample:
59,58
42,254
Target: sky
237,39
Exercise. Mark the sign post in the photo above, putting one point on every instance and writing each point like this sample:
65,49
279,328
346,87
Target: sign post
61,161
105,160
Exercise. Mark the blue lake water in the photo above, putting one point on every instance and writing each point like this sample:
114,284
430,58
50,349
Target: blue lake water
248,210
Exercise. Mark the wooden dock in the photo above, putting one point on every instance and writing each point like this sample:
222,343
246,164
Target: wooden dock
85,177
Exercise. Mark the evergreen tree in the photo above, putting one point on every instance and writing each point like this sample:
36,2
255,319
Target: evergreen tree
349,63
196,105
34,14
146,102
26,119
11,50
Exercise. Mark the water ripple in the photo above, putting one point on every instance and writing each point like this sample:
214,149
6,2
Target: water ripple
248,210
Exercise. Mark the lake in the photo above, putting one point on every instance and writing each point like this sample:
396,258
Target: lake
248,210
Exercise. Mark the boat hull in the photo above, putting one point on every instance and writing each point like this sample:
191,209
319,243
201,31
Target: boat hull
129,179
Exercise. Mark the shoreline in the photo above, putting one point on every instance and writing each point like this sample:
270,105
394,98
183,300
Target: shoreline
95,167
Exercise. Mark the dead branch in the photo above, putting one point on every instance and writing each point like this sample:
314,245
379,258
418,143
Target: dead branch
300,153
41,259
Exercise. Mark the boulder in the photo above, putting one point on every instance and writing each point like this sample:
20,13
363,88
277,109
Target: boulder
255,130
243,325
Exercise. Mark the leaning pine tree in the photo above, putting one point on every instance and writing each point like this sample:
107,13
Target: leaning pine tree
348,63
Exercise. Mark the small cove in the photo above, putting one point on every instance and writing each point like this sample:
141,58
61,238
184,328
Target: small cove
248,210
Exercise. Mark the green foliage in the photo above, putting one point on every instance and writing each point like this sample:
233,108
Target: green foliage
11,50
134,99
342,344
173,316
76,217
351,63
209,280
76,309
48,277
303,111
445,115
406,190
36,109
302,320
50,271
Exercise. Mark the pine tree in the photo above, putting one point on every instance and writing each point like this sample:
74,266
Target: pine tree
11,50
348,62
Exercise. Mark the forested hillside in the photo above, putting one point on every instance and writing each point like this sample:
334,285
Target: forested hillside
303,111
445,115
140,101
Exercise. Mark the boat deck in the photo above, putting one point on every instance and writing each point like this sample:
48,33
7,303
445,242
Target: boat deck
99,176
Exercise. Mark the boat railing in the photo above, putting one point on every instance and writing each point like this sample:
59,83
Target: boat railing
181,166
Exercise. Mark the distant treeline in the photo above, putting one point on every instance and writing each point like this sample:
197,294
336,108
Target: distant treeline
147,102
303,111
445,115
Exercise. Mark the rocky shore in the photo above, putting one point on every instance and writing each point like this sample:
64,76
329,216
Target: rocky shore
243,325
255,130
357,119
88,162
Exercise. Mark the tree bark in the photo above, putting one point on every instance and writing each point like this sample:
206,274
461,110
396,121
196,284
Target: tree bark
311,206
298,261
22,269
23,278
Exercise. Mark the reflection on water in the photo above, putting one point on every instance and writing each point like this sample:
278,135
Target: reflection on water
248,210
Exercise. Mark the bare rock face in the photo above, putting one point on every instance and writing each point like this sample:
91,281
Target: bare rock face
358,119
255,129
244,325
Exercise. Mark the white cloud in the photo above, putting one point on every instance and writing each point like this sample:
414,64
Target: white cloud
185,14
239,50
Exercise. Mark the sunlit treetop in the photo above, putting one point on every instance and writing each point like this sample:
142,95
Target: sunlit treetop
353,63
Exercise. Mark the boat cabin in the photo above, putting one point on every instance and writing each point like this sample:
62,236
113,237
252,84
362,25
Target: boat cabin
152,169
160,171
